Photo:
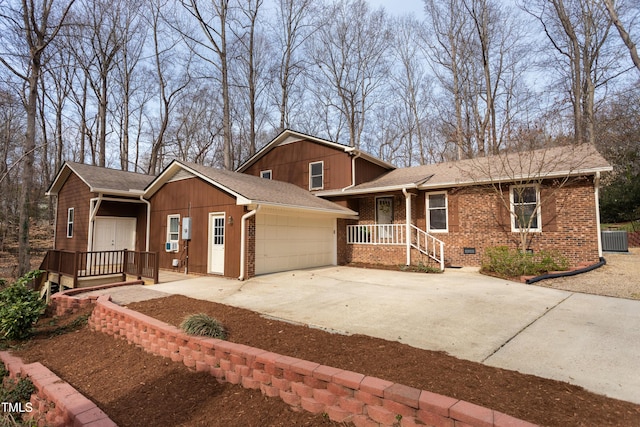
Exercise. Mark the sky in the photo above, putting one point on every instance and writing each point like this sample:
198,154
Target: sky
400,7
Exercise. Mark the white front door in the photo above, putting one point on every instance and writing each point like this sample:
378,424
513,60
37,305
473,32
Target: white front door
216,242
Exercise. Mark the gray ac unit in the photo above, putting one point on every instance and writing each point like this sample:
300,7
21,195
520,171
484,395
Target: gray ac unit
615,241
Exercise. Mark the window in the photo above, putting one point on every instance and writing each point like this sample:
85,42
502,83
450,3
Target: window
265,174
316,176
173,231
437,212
70,214
525,200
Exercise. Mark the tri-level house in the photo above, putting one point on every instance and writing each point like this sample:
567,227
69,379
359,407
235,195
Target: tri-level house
303,201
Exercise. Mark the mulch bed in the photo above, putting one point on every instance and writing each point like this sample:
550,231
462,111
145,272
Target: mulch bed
131,385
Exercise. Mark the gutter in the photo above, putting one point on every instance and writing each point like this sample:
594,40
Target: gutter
566,273
243,244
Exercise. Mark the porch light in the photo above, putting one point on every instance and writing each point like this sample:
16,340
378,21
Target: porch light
230,220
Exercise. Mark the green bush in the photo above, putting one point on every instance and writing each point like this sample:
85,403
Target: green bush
505,262
20,308
203,325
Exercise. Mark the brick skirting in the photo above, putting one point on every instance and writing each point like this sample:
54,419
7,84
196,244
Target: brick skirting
55,403
343,395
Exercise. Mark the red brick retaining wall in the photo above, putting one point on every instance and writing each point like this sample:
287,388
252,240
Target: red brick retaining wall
342,395
55,403
63,303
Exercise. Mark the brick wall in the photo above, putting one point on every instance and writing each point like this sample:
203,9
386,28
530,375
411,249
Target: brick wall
477,219
343,395
55,403
634,239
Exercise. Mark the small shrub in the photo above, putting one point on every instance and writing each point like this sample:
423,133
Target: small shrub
508,263
421,268
20,308
203,325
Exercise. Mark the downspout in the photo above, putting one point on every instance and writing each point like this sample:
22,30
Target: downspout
243,245
148,228
597,196
407,208
93,212
353,171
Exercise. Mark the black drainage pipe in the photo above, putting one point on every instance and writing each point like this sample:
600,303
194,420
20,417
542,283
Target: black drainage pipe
566,273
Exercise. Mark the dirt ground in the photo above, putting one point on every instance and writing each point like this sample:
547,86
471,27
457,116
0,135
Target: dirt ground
619,277
134,387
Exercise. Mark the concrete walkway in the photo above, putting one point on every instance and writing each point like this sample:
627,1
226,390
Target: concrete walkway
587,340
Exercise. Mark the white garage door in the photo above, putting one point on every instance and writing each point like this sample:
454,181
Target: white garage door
289,242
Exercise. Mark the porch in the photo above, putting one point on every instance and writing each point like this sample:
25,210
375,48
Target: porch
69,269
407,235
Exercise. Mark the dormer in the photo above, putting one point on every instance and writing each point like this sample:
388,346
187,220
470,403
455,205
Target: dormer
312,163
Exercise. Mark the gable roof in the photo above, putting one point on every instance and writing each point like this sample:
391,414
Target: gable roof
101,180
555,162
288,136
249,189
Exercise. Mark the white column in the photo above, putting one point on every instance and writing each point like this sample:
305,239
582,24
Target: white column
407,204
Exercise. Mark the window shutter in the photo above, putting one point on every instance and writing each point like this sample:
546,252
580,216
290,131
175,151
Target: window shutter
454,214
548,210
503,217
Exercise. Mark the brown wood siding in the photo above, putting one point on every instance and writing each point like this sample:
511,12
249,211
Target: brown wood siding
175,198
367,171
125,209
73,194
290,163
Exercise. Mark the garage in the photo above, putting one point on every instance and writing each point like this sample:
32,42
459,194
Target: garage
289,241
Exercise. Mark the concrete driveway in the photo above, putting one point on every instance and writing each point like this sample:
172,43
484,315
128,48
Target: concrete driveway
587,340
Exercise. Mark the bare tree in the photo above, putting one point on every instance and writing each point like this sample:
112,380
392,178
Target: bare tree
251,55
624,35
28,30
293,27
414,87
350,50
578,31
448,49
133,40
169,86
213,21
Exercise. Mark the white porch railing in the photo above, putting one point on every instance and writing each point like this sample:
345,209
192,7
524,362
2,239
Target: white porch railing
376,234
395,234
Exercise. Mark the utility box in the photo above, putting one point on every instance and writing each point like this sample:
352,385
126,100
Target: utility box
186,228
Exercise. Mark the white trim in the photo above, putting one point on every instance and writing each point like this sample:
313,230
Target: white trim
428,209
266,171
169,233
70,213
311,176
537,209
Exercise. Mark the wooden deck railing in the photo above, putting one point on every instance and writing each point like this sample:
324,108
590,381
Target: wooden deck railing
101,263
